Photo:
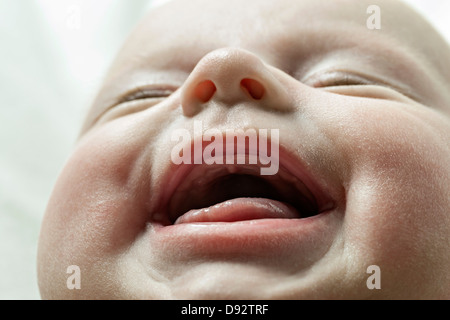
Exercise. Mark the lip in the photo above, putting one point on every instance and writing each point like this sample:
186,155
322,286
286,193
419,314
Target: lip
290,239
247,225
288,163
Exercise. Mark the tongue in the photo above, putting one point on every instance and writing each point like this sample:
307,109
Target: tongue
240,209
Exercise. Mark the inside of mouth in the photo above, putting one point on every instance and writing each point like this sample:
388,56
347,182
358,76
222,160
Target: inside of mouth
233,186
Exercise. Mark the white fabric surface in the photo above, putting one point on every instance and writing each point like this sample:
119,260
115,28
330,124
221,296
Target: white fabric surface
53,55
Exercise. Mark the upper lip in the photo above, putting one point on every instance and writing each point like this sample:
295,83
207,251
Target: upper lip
292,172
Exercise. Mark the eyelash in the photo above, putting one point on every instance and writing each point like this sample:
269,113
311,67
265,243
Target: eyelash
143,93
339,78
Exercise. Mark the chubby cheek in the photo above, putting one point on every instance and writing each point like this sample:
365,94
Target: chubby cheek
96,209
398,201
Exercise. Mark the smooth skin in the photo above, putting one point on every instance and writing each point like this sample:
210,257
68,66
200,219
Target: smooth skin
367,111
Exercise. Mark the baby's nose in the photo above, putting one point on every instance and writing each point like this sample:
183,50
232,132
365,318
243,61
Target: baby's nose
231,76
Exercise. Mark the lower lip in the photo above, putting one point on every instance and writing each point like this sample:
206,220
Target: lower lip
269,234
240,209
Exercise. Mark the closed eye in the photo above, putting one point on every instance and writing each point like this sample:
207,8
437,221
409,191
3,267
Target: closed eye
339,80
137,99
146,92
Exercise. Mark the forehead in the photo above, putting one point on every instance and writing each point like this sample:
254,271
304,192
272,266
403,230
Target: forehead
250,24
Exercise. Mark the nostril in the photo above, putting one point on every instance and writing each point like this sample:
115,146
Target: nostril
205,90
254,88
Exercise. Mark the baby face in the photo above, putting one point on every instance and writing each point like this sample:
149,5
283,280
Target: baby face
360,121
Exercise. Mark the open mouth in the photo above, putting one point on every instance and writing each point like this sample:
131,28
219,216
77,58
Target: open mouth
231,193
234,188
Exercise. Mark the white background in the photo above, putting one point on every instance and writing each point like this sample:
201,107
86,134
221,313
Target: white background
53,54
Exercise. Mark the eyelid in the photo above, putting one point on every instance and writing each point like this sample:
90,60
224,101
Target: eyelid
146,92
324,79
336,78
